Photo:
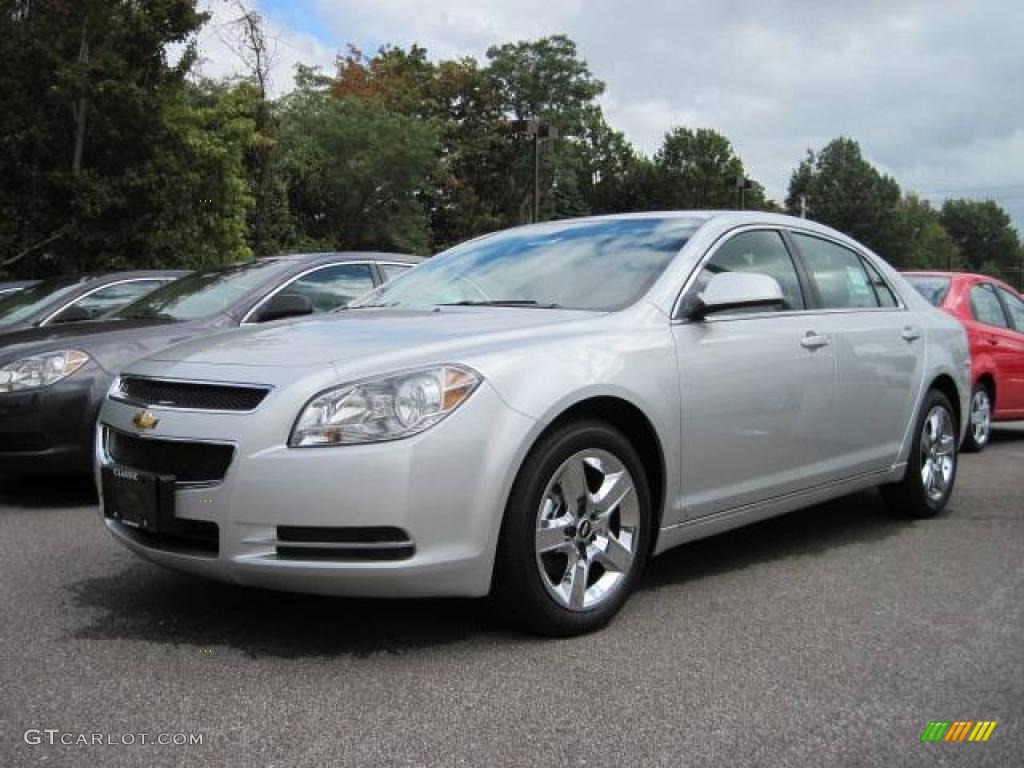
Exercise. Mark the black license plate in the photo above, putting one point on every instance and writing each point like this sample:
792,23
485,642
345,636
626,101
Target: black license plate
138,499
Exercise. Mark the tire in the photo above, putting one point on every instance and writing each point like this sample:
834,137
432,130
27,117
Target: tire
929,458
979,428
576,532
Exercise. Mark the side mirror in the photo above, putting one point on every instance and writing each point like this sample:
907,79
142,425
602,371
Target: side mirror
73,314
727,291
286,305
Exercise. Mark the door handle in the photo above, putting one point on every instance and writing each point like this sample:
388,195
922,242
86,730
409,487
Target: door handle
814,340
910,334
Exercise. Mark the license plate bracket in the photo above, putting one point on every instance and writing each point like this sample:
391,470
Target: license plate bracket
141,500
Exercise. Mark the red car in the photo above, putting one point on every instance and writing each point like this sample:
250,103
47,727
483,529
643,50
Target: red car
994,316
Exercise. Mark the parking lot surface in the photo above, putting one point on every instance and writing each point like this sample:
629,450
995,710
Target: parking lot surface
831,636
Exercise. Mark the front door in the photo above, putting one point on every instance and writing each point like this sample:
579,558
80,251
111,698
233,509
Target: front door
757,388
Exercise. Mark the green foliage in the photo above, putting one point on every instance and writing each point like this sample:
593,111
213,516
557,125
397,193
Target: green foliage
353,173
917,239
844,191
984,234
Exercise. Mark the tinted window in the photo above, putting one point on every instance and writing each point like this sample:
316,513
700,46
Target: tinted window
761,253
588,264
333,287
1015,307
110,298
205,293
935,289
25,303
839,274
391,271
985,306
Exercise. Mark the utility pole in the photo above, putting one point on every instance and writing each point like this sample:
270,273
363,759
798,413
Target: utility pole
742,185
803,206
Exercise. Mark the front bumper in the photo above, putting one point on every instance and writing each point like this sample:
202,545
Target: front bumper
445,489
51,429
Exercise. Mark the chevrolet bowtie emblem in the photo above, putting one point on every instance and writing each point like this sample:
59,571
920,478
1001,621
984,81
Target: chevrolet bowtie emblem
145,420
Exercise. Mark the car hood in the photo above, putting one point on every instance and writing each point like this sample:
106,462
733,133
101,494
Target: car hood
111,343
361,334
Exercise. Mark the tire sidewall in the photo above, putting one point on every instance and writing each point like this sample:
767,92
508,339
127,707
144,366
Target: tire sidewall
970,444
518,572
926,506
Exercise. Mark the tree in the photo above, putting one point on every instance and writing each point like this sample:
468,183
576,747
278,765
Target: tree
699,169
844,191
84,88
918,240
354,172
984,233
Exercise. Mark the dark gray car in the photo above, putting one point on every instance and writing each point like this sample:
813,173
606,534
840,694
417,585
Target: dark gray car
7,287
78,297
54,378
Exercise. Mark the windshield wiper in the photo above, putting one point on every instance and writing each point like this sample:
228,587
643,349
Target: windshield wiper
497,303
149,316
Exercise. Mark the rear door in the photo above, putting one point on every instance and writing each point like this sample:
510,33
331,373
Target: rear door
999,317
879,348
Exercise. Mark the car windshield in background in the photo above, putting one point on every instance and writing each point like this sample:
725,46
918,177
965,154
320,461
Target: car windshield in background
591,265
932,287
17,306
203,293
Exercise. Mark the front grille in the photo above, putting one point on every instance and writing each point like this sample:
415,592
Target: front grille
295,542
190,394
189,462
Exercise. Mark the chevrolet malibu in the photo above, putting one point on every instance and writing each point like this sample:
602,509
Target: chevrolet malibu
534,414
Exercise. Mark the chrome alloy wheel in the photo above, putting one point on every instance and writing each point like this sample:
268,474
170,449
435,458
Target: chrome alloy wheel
587,529
938,453
981,416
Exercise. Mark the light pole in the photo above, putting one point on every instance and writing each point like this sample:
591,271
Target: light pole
742,185
538,131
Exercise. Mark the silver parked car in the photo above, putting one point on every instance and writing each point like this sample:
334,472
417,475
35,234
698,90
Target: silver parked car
535,413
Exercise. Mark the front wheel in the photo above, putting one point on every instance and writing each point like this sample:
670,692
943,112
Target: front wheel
980,429
576,532
931,466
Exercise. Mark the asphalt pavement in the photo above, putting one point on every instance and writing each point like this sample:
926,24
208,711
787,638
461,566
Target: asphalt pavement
831,636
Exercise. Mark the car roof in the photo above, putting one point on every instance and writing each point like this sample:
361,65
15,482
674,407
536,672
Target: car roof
312,258
971,276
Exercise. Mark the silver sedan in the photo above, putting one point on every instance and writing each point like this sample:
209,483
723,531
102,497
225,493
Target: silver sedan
534,414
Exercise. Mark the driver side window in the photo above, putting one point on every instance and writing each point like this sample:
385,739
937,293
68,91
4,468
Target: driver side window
759,252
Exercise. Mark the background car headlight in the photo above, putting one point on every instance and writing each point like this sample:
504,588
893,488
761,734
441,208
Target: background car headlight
385,408
41,370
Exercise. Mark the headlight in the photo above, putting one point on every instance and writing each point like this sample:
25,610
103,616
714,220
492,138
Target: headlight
41,370
386,408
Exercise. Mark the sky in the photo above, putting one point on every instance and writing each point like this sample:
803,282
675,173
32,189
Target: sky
932,90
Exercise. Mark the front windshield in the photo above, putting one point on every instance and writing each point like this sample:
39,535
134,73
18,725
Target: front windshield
601,265
23,304
203,293
932,287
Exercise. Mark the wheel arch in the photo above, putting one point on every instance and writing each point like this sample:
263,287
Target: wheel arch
945,384
636,426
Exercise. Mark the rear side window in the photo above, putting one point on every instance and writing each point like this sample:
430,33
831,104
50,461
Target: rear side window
883,292
839,273
1015,307
934,289
759,252
985,306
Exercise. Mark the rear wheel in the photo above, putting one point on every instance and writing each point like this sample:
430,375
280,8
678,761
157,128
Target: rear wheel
931,466
980,429
576,532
